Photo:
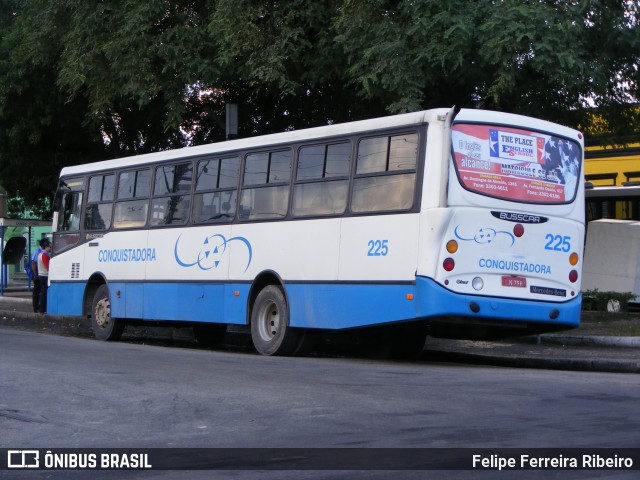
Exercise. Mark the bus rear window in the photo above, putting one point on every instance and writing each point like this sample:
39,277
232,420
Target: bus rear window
515,164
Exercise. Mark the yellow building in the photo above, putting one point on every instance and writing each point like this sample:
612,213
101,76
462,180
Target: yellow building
612,165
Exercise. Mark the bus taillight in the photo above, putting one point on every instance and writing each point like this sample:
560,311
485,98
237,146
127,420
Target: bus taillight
518,230
573,276
448,264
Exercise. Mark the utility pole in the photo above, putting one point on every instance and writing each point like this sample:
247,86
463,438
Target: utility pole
3,203
232,121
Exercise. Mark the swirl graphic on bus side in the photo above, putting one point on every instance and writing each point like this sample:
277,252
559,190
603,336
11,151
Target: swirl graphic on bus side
485,236
211,251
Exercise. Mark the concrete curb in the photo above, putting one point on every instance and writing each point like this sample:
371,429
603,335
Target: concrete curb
574,364
9,300
591,341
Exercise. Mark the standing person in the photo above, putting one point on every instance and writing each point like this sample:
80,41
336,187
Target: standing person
43,274
35,297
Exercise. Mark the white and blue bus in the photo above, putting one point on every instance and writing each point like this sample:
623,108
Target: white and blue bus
436,222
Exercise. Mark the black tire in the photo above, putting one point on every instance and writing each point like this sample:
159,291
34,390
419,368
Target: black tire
210,335
104,326
270,330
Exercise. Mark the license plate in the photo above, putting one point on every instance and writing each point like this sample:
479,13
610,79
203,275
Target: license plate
514,282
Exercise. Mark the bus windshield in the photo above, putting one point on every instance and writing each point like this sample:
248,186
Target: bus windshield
515,164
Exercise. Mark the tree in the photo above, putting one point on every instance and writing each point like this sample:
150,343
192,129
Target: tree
87,80
41,130
544,58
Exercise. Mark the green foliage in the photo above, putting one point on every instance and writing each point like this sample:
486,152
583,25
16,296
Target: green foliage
18,208
537,57
87,80
597,300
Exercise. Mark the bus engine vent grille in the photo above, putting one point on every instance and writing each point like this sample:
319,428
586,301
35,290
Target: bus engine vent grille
75,270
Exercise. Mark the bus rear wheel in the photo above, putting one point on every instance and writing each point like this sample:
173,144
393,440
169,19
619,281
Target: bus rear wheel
104,326
270,330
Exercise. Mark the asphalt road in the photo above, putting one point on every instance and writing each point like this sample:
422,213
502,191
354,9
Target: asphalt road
58,392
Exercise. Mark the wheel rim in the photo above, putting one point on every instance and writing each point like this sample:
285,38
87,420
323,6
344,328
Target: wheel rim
268,321
102,313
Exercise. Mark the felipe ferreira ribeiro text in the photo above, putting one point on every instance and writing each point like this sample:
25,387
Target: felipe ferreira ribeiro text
496,462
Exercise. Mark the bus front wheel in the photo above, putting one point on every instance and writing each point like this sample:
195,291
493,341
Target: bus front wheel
104,326
270,330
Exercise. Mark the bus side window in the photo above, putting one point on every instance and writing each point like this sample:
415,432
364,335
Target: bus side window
268,174
69,220
97,215
322,180
216,194
385,173
171,194
133,199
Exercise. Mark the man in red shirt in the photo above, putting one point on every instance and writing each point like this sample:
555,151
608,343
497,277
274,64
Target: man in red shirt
43,274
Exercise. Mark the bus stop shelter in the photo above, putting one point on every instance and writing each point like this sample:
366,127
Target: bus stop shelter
13,251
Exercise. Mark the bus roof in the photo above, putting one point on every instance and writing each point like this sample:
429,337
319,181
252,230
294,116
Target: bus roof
392,121
416,118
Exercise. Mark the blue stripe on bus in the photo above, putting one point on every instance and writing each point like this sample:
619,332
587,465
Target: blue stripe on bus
329,306
436,300
65,298
338,306
214,303
159,301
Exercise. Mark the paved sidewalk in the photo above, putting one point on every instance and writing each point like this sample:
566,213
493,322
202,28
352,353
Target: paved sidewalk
561,351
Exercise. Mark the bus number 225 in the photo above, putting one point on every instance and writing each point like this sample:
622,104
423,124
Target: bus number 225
378,248
557,243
